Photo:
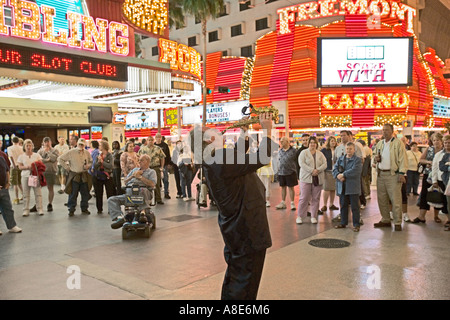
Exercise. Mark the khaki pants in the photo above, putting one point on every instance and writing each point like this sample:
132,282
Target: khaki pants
158,197
389,189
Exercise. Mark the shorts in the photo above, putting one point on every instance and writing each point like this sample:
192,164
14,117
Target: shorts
16,177
289,180
61,171
50,178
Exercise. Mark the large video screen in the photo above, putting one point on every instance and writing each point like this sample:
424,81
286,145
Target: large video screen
353,62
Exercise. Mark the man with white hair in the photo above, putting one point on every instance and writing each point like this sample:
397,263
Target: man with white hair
143,176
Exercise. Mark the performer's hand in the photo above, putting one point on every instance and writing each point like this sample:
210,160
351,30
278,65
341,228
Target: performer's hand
401,178
265,119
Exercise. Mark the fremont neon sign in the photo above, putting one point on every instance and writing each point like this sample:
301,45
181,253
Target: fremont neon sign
329,8
27,21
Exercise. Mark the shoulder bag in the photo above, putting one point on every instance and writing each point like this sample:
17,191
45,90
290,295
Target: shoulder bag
33,181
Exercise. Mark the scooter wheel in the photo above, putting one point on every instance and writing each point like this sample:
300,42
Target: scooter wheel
124,233
147,232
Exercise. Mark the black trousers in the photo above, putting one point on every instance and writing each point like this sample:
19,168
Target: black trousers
243,275
98,189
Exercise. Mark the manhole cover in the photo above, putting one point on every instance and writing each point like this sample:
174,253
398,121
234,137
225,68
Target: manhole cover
329,243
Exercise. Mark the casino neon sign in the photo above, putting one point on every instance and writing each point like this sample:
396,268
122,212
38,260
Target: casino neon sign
329,8
96,34
365,101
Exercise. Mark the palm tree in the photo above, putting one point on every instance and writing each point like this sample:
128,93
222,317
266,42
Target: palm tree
202,10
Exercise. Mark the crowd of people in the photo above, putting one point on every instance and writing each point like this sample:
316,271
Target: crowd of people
80,168
322,172
348,169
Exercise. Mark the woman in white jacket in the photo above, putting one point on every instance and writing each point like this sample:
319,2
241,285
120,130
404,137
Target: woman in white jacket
312,167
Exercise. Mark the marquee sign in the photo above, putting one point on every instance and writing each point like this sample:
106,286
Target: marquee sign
329,8
364,62
25,58
171,117
216,112
99,35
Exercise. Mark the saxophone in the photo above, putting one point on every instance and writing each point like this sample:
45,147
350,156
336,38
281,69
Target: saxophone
254,116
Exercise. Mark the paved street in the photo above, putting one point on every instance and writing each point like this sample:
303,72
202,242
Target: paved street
183,257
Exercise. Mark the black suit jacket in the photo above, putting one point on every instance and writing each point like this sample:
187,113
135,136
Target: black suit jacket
240,197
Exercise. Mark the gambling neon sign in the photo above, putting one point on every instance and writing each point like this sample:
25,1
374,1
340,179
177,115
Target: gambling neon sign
329,8
99,35
24,58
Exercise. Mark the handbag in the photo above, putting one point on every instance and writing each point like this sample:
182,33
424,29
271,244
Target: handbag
315,179
33,181
420,168
435,196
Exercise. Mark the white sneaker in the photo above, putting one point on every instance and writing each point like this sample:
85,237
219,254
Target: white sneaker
41,213
293,206
190,199
298,220
282,205
406,217
267,204
15,229
362,206
313,220
26,213
186,199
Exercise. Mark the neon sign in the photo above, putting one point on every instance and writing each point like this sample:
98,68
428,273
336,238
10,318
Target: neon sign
26,23
364,61
179,56
24,58
327,8
149,15
365,101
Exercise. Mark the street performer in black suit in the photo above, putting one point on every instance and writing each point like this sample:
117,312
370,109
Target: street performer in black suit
240,197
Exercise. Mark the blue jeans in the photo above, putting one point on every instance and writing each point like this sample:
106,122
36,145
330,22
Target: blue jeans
412,181
6,208
186,182
353,201
165,180
82,188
